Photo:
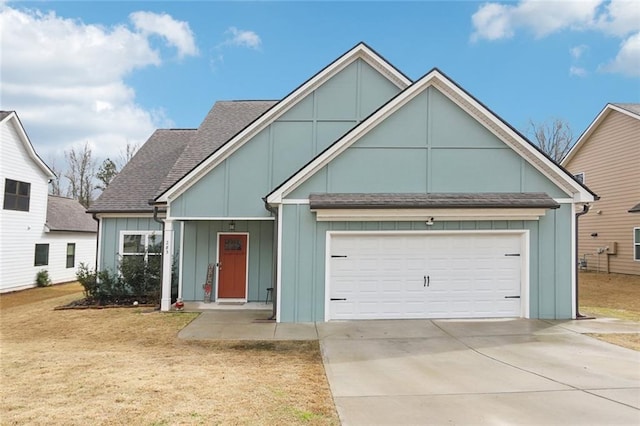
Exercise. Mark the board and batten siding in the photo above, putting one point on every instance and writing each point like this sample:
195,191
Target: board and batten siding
110,237
20,230
201,247
429,145
236,186
610,161
304,249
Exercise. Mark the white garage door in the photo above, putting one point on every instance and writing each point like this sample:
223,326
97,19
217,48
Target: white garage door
424,276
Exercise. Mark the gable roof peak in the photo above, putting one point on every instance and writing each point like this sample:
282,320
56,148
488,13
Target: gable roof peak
181,178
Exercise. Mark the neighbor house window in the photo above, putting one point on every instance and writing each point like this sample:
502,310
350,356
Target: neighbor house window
42,255
579,177
144,244
71,255
636,243
16,195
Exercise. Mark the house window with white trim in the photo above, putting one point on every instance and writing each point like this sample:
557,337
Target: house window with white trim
636,244
71,255
16,195
42,255
146,245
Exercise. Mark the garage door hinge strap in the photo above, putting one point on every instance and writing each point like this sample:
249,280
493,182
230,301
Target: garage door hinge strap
333,298
338,255
512,297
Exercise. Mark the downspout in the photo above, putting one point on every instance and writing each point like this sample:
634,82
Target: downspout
585,210
161,222
274,278
95,217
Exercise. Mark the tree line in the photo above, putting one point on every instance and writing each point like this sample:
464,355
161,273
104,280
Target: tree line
82,178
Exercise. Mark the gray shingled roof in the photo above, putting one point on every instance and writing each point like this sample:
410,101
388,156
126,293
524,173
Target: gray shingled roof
4,114
66,214
440,201
223,121
634,108
140,179
635,209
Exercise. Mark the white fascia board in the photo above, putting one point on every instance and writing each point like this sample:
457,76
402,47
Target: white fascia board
360,51
592,127
421,215
505,133
28,146
221,218
123,215
586,134
464,101
347,140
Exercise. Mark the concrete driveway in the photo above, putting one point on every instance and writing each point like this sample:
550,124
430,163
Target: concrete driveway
480,372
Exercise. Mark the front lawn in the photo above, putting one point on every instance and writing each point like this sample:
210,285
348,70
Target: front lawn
612,296
126,366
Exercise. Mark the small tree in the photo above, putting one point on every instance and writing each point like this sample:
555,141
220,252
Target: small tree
106,173
126,155
553,136
81,173
55,187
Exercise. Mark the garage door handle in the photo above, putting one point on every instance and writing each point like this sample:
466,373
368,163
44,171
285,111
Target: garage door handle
335,298
427,280
512,297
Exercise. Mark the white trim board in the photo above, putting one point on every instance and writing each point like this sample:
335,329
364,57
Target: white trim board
421,215
220,219
360,51
26,142
485,117
592,128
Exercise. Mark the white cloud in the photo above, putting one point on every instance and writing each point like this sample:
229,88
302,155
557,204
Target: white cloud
627,61
618,18
243,38
65,78
577,71
577,51
177,33
493,21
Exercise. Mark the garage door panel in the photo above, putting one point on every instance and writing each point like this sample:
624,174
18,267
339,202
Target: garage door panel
384,276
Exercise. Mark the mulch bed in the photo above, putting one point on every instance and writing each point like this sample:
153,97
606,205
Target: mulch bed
120,303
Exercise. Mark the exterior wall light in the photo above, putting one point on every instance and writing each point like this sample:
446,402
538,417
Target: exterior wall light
429,222
232,226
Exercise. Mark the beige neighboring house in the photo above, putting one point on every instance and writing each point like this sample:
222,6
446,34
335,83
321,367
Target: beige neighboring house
607,159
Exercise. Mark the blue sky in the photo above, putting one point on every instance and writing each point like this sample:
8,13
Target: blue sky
109,73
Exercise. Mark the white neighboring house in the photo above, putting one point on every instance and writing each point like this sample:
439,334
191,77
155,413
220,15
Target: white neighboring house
37,231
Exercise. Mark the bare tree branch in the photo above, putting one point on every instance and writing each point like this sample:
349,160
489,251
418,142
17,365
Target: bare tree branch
553,136
126,155
81,174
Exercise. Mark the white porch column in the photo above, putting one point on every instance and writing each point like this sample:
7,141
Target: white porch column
167,261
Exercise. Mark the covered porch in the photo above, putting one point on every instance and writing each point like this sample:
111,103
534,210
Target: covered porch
226,263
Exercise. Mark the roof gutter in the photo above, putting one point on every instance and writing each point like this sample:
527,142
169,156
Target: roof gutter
585,210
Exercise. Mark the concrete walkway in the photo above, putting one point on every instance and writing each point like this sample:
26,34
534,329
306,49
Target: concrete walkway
481,372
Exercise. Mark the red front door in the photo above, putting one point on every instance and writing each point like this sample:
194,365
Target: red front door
232,268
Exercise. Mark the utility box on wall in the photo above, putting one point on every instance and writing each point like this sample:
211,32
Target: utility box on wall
611,247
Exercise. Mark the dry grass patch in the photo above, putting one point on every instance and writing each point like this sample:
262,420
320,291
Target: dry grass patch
126,366
18,298
613,296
